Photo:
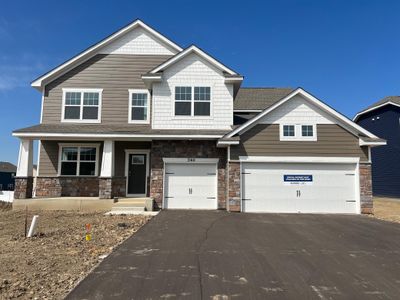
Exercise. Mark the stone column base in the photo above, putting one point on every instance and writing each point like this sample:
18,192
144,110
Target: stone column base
23,187
366,200
234,187
105,188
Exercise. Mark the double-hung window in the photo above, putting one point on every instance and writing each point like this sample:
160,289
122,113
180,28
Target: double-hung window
192,101
78,160
81,105
139,104
298,132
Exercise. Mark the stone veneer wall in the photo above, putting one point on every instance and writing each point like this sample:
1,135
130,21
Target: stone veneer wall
23,187
185,149
366,189
67,186
234,186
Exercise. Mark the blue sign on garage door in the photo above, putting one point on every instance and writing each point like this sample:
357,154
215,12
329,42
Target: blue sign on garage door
297,179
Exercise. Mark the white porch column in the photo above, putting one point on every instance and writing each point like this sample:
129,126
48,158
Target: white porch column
107,163
25,159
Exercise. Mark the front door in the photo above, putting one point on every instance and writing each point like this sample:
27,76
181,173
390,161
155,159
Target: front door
137,177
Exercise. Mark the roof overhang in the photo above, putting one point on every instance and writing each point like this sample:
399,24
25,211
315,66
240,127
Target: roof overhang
202,54
347,123
40,82
373,108
373,143
94,136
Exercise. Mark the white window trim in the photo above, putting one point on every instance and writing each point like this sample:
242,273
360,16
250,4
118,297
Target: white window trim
192,101
139,91
298,132
81,90
62,145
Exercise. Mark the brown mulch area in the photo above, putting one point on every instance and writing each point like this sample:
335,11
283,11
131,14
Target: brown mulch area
387,209
50,264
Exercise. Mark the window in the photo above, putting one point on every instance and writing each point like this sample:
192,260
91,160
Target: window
183,101
288,130
201,101
307,130
298,132
139,106
78,160
81,105
192,101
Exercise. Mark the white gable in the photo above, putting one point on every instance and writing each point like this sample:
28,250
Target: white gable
192,70
297,110
138,41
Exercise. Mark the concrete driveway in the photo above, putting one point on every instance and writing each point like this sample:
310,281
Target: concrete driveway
220,255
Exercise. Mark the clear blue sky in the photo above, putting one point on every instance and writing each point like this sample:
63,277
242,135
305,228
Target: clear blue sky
344,52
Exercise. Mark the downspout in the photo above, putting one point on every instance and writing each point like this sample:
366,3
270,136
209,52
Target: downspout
228,155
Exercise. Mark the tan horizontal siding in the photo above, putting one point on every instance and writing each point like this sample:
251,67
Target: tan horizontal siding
114,73
48,163
333,140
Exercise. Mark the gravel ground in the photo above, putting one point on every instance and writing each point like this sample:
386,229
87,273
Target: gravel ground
50,264
387,209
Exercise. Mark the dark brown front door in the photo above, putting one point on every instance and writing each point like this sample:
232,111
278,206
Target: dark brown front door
137,174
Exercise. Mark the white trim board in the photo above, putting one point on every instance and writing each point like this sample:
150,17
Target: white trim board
91,51
196,50
373,108
299,91
115,136
300,159
194,160
139,91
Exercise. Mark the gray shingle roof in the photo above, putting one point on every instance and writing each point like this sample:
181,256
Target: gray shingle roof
5,166
259,98
393,99
112,129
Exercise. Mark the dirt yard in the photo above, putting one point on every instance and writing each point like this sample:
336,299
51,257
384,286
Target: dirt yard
387,209
50,264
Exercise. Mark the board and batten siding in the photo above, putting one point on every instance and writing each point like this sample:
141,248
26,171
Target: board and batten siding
114,73
333,141
49,151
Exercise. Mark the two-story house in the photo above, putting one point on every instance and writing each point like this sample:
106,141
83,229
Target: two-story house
136,115
383,119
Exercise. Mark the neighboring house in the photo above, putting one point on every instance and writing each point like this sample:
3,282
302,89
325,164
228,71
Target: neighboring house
383,119
136,115
7,176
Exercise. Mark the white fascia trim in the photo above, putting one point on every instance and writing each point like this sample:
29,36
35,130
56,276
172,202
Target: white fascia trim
299,159
247,110
234,79
100,135
227,143
149,77
373,108
92,50
372,143
312,99
176,160
198,51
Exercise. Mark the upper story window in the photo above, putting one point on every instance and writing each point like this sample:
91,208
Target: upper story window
139,106
298,132
192,101
81,105
78,160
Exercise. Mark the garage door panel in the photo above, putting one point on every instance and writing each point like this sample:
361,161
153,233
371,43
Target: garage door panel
332,189
190,186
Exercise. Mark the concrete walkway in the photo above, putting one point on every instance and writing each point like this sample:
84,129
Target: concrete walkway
219,255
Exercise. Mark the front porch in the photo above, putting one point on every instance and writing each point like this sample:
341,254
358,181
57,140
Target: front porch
77,172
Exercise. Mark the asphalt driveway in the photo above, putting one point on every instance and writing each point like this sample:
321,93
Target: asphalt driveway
220,255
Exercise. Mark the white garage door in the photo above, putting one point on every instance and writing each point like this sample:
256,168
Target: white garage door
190,186
292,188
